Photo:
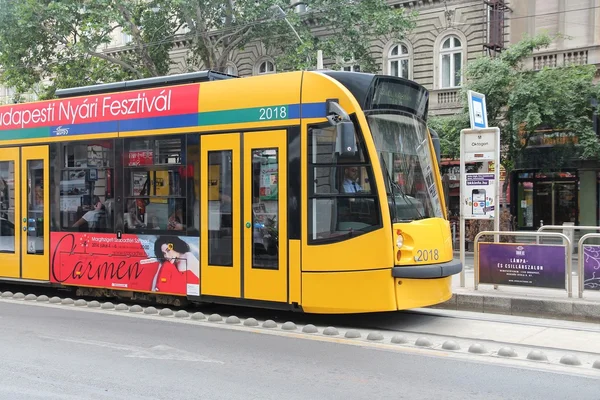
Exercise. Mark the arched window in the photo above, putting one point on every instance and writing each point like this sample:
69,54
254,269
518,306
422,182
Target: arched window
231,69
349,65
399,61
266,67
451,61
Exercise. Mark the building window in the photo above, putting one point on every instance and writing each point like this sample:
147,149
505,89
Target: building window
231,69
342,200
350,65
85,196
266,67
451,55
126,38
399,61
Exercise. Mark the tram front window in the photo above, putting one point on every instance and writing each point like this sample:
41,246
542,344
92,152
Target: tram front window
402,144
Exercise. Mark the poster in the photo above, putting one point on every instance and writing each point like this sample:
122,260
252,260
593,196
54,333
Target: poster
478,196
268,182
513,264
161,264
591,267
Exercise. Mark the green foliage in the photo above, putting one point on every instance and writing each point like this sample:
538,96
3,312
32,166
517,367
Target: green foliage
520,101
449,130
351,27
61,41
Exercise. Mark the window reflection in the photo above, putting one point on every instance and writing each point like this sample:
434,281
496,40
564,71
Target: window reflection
342,199
35,207
161,184
86,187
220,212
157,178
7,207
265,208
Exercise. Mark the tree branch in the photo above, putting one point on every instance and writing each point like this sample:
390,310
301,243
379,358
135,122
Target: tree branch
113,60
144,56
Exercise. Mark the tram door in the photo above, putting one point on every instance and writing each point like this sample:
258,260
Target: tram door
24,213
243,216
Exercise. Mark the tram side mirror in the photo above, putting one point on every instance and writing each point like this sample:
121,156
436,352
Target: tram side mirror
345,141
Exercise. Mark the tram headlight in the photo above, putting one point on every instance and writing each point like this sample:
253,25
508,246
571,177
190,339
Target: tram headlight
399,241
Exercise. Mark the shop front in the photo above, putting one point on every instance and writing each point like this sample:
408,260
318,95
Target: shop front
545,198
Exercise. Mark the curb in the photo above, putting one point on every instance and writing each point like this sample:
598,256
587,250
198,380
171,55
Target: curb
567,309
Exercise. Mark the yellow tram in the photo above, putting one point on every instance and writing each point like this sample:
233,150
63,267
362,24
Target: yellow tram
316,191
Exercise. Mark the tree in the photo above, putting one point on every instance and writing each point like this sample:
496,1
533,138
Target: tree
520,101
61,42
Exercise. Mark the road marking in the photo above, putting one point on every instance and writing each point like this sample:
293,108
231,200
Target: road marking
158,352
434,352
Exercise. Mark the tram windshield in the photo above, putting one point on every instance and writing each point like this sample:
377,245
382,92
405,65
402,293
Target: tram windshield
402,144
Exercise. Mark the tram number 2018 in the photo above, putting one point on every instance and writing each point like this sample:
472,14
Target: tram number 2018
427,255
269,113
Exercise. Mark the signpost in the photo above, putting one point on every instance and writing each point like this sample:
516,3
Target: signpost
480,192
477,110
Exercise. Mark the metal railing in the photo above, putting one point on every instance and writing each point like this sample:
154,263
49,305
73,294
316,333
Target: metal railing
568,259
581,259
569,228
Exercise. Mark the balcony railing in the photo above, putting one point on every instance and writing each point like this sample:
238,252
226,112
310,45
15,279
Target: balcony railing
565,57
444,101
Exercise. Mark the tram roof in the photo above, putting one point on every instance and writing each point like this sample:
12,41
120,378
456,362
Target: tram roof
145,83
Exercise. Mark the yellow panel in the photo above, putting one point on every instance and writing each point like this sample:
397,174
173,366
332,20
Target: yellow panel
348,292
349,254
36,265
265,284
429,240
295,272
10,263
257,91
220,280
415,293
373,250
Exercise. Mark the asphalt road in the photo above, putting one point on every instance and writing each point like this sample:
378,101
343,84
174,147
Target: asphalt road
53,353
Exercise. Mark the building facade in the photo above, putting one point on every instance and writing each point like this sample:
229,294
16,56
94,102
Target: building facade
448,34
544,194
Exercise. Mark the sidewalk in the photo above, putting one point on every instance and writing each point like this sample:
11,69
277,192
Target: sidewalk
523,301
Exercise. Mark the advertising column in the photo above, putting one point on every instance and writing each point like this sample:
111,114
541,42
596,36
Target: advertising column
479,192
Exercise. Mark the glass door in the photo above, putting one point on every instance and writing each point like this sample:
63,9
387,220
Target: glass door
265,216
544,203
220,204
10,213
556,202
565,202
34,228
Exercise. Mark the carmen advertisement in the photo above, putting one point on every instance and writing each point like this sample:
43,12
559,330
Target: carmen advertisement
591,267
160,264
540,266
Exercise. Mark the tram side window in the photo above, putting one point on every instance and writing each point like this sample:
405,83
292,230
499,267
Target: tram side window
342,196
161,185
85,176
